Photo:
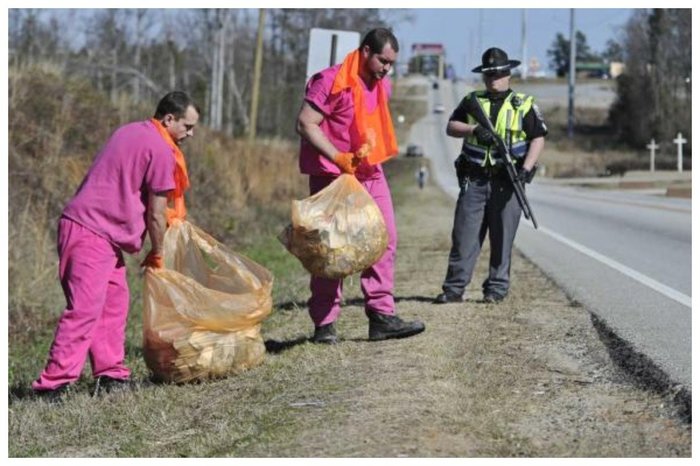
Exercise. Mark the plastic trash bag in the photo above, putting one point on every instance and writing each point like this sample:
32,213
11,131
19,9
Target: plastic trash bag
338,231
203,311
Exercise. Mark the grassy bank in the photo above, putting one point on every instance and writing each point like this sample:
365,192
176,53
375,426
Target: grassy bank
526,378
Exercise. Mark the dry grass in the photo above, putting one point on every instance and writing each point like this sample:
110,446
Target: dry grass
525,378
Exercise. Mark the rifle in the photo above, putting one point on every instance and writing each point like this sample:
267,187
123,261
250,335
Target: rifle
508,162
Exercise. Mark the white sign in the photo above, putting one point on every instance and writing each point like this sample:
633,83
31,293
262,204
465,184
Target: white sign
328,47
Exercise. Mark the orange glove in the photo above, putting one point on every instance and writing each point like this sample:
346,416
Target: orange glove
347,162
363,151
153,260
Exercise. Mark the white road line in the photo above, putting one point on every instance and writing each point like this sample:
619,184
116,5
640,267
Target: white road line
633,274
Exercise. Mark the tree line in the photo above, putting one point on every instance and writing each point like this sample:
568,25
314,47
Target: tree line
654,98
144,53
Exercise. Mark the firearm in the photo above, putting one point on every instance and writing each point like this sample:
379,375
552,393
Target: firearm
461,169
504,151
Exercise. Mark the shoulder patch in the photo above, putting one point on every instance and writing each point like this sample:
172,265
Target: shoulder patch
537,112
539,116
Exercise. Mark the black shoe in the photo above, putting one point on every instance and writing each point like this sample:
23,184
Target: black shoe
493,298
383,327
54,396
105,384
447,297
325,334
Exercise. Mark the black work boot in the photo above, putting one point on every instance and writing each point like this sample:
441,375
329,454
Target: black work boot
106,384
384,326
447,297
325,334
55,396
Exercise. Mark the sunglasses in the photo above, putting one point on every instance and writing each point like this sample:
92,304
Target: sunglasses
497,74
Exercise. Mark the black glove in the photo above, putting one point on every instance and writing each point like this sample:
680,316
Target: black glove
526,176
483,135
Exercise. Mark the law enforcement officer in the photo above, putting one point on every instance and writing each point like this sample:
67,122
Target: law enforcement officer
486,200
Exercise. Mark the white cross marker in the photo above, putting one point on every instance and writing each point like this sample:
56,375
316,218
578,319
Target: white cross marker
680,140
652,146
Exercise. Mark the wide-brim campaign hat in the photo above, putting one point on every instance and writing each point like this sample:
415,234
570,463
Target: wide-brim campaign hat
495,60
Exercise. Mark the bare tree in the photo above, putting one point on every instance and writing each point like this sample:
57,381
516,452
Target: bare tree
208,53
654,94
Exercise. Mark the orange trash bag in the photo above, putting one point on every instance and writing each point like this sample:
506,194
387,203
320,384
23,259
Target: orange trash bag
338,231
203,312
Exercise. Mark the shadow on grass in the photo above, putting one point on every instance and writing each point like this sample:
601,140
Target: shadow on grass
276,347
19,392
24,391
290,305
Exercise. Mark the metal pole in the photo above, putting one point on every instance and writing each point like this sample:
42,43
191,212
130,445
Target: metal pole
572,74
256,76
524,46
334,47
481,32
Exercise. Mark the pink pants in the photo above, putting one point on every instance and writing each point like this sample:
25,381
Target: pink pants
377,282
93,277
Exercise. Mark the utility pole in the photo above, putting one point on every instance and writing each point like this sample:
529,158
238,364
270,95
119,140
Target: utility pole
480,50
572,74
524,46
256,76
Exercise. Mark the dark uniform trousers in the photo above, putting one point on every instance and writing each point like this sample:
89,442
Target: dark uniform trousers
485,204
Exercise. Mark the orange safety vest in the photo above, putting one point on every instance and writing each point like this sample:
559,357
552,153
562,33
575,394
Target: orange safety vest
374,129
176,198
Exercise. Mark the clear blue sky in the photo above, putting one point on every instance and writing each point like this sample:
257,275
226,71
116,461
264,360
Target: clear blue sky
459,31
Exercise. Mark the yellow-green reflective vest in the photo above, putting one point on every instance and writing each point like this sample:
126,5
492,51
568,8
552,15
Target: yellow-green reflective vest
509,120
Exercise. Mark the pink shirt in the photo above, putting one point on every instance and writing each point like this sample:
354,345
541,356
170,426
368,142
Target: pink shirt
338,113
112,199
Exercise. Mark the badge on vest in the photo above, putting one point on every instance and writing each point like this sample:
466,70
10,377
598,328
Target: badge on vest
516,101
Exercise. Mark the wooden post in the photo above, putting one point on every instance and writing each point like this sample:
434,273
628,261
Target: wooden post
572,74
256,77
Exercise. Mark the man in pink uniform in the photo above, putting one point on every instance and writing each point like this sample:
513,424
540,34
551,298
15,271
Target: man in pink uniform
329,147
123,195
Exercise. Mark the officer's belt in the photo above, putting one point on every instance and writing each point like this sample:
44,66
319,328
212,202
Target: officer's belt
474,170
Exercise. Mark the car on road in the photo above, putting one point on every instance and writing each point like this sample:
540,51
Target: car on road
414,150
439,108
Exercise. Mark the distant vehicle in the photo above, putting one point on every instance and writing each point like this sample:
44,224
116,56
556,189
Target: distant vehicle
439,108
599,74
414,150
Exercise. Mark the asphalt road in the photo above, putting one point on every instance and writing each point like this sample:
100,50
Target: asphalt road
625,256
